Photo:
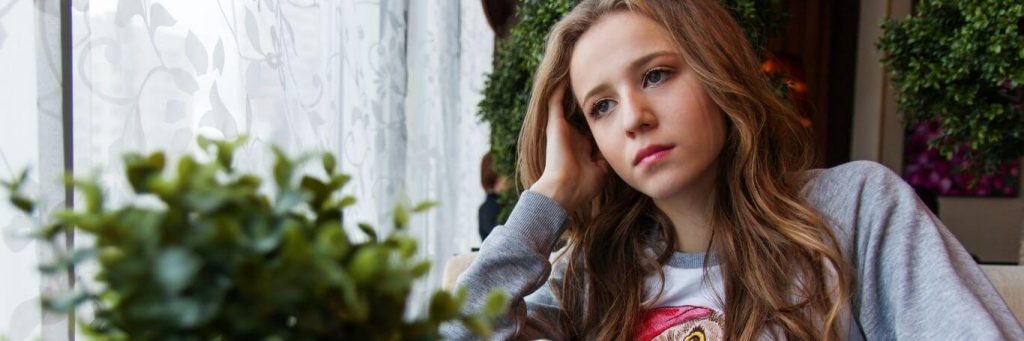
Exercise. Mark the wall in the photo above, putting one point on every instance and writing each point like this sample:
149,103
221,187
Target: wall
989,228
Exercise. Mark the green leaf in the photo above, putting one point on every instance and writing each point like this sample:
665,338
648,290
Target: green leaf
141,170
80,255
175,269
19,180
479,325
283,168
495,304
208,202
109,255
51,231
92,194
406,247
347,201
366,264
357,306
266,241
315,187
203,142
226,151
332,242
461,296
296,246
423,206
288,200
443,306
368,230
421,269
54,268
187,167
339,180
329,163
22,203
64,303
401,216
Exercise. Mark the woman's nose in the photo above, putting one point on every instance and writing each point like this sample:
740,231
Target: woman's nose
637,116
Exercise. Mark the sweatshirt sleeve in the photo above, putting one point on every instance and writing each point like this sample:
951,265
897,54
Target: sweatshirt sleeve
514,259
914,280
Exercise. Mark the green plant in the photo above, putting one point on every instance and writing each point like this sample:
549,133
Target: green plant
216,258
507,88
962,63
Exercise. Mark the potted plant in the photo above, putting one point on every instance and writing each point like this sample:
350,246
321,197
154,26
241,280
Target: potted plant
217,258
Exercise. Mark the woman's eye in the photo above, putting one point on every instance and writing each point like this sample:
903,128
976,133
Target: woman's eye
655,77
602,107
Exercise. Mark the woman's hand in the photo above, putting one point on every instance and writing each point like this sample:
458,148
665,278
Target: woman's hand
573,172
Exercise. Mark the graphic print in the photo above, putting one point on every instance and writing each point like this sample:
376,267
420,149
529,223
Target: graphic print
688,323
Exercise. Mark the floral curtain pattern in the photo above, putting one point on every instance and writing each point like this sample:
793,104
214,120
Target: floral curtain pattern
389,86
153,75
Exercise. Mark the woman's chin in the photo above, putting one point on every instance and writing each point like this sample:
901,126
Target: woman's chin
658,192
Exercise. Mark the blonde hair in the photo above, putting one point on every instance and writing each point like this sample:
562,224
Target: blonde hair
782,267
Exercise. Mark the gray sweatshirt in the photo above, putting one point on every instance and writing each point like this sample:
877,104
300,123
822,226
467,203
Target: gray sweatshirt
913,279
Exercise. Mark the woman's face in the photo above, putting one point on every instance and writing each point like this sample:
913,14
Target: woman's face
648,112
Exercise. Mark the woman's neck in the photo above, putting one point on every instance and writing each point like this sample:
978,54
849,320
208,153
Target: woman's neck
690,214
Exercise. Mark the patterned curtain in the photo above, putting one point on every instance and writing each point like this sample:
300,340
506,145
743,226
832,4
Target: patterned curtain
389,86
30,138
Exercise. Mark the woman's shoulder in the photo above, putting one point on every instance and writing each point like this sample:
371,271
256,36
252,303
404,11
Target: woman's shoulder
853,170
852,195
852,177
857,187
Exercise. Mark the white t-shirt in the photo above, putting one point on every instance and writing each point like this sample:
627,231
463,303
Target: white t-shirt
689,305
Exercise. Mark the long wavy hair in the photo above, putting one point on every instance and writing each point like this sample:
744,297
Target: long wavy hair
782,268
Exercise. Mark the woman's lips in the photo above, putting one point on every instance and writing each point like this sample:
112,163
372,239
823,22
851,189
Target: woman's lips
651,154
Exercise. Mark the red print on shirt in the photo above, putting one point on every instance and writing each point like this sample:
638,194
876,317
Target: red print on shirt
687,323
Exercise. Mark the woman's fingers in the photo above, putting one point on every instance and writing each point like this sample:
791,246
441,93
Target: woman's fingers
556,127
574,169
555,102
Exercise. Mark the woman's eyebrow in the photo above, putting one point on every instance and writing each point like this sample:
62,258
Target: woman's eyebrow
593,91
636,64
640,62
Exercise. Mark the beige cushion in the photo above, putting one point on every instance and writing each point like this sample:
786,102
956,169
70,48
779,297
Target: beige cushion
454,267
1009,281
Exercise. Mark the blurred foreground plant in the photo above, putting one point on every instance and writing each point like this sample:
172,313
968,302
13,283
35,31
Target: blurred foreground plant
218,259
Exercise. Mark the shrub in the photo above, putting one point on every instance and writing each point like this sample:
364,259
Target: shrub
962,63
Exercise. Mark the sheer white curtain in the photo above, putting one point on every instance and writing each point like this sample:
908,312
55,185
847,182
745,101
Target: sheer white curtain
390,86
449,50
409,126
30,138
19,147
153,75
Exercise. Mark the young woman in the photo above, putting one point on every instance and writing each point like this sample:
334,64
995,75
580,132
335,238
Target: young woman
680,181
